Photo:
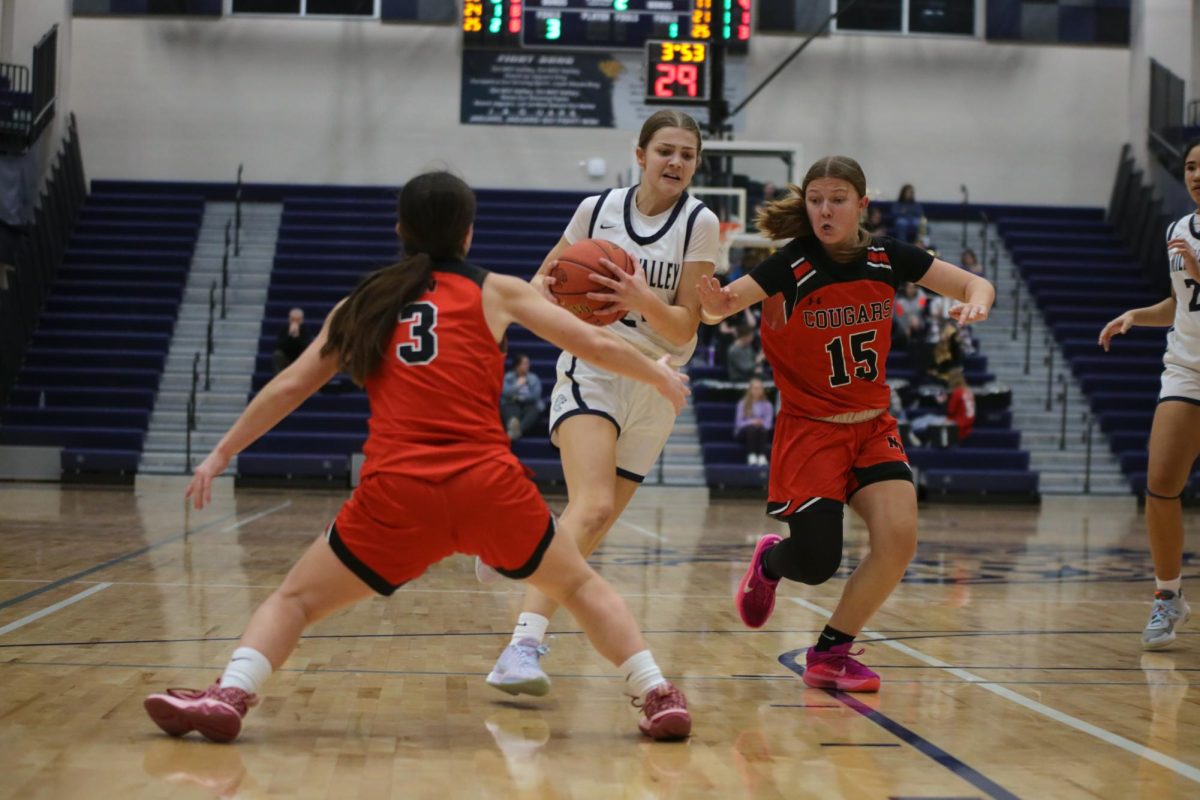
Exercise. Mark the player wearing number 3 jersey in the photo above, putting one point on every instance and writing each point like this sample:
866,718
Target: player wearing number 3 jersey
422,336
827,326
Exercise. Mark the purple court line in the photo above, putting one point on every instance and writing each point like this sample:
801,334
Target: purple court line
915,740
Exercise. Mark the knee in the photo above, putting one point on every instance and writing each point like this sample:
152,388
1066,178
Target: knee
812,553
898,544
593,518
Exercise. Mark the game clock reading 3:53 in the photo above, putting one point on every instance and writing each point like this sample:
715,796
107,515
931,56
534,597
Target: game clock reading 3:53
677,72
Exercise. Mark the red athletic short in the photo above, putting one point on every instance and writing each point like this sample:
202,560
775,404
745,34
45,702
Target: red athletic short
811,459
395,526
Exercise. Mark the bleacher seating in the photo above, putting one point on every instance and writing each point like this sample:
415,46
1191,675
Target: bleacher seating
94,363
1081,276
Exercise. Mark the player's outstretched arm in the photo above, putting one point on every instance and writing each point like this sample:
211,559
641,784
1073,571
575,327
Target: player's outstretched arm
718,302
508,300
276,400
1159,315
974,293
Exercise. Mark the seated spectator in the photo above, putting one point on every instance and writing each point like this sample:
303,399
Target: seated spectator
744,359
521,401
970,262
907,215
907,318
947,355
753,423
960,407
957,408
874,222
291,340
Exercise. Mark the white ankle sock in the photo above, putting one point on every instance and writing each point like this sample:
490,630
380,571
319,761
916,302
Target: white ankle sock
248,669
530,626
641,674
1174,586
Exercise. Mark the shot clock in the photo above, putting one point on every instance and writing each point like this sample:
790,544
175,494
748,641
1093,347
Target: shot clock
677,72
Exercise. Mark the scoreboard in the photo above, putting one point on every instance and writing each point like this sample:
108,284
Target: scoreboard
603,24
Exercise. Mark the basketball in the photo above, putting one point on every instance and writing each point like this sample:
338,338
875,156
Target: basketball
571,283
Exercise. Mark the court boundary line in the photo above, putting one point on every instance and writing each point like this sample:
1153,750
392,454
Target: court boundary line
112,562
48,610
1141,751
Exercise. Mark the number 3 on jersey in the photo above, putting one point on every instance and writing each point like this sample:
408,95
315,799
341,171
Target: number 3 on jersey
863,360
421,347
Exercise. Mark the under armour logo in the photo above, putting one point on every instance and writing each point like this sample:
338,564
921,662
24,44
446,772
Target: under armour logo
894,442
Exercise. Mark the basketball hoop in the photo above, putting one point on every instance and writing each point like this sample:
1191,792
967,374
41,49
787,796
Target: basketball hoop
728,233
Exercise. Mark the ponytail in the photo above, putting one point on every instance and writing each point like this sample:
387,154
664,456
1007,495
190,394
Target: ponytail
362,327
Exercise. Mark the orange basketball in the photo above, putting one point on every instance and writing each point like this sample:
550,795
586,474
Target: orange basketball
571,283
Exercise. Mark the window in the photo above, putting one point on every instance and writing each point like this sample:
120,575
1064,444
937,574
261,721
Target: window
147,8
939,17
1059,21
368,9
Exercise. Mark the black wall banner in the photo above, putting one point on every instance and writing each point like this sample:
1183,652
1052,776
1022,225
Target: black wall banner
573,90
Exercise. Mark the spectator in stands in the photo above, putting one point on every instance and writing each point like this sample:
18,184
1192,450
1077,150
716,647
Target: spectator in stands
291,340
439,475
521,399
970,262
907,215
875,224
753,421
908,311
956,405
744,359
1175,431
834,442
947,355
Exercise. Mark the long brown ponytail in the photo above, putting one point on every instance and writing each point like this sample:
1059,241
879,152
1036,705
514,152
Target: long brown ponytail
434,211
787,218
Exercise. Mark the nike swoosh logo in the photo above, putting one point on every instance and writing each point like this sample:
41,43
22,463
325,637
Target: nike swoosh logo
747,590
826,636
607,227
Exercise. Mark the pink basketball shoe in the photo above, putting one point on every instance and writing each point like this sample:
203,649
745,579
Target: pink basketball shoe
837,669
215,712
665,713
755,598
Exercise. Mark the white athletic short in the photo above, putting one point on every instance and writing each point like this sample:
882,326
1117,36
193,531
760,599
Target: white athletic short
642,416
1180,383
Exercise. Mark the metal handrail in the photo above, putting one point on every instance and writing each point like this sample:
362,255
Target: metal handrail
1016,293
1028,338
237,214
1048,360
1062,438
225,268
208,348
1089,421
191,414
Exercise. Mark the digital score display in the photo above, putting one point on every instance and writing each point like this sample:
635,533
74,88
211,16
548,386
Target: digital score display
677,72
603,24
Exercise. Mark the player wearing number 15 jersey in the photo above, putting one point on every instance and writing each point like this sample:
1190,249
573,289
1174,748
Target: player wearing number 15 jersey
827,318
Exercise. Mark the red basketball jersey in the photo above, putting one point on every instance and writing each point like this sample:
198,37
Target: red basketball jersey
435,399
827,326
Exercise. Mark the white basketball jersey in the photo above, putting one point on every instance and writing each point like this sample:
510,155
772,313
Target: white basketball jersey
1183,340
689,231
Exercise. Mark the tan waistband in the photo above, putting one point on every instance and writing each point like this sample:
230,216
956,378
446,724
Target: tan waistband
851,417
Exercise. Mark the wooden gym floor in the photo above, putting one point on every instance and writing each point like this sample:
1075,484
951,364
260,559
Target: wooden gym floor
1010,658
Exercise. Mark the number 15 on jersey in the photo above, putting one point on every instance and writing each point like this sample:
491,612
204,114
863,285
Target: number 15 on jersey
677,72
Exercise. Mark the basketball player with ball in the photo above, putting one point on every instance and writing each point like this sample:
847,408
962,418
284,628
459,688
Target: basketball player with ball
659,242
